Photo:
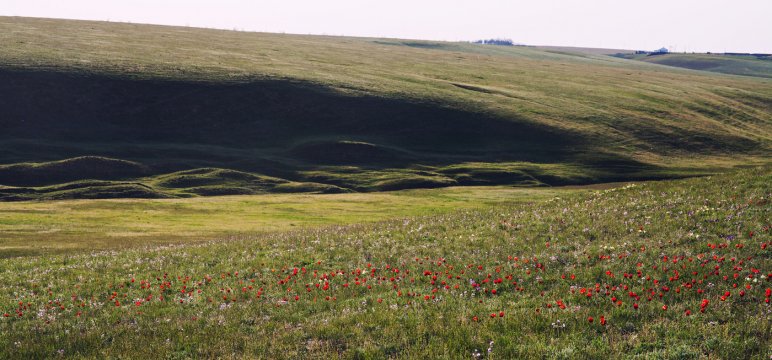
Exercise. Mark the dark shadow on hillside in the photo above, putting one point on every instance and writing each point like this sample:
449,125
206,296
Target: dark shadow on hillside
85,167
75,110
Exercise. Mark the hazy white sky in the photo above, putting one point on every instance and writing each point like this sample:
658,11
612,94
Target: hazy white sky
682,25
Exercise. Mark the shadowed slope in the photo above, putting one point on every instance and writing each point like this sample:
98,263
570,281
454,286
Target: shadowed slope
86,167
76,110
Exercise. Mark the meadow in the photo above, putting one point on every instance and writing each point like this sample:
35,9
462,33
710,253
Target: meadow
676,269
67,226
173,192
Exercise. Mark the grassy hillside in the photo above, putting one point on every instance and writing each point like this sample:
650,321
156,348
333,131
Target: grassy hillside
331,114
727,64
665,270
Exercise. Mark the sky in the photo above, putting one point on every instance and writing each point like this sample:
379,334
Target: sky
680,25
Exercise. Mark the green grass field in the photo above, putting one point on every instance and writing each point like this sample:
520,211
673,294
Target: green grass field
73,226
172,192
659,270
134,105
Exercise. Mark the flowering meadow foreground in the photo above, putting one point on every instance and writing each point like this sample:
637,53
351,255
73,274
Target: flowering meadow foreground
673,269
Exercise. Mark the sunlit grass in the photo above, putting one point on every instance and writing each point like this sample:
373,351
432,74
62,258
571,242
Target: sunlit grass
73,225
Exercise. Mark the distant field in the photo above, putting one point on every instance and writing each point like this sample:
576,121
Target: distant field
37,228
726,64
112,110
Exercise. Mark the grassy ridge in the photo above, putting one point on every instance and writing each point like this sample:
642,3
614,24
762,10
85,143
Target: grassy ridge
673,270
294,107
321,180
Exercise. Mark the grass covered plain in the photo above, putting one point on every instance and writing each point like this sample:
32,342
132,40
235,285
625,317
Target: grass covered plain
44,227
676,269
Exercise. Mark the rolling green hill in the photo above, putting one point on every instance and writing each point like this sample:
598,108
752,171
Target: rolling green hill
96,109
727,64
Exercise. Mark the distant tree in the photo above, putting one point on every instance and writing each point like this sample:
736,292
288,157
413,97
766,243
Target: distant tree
501,42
